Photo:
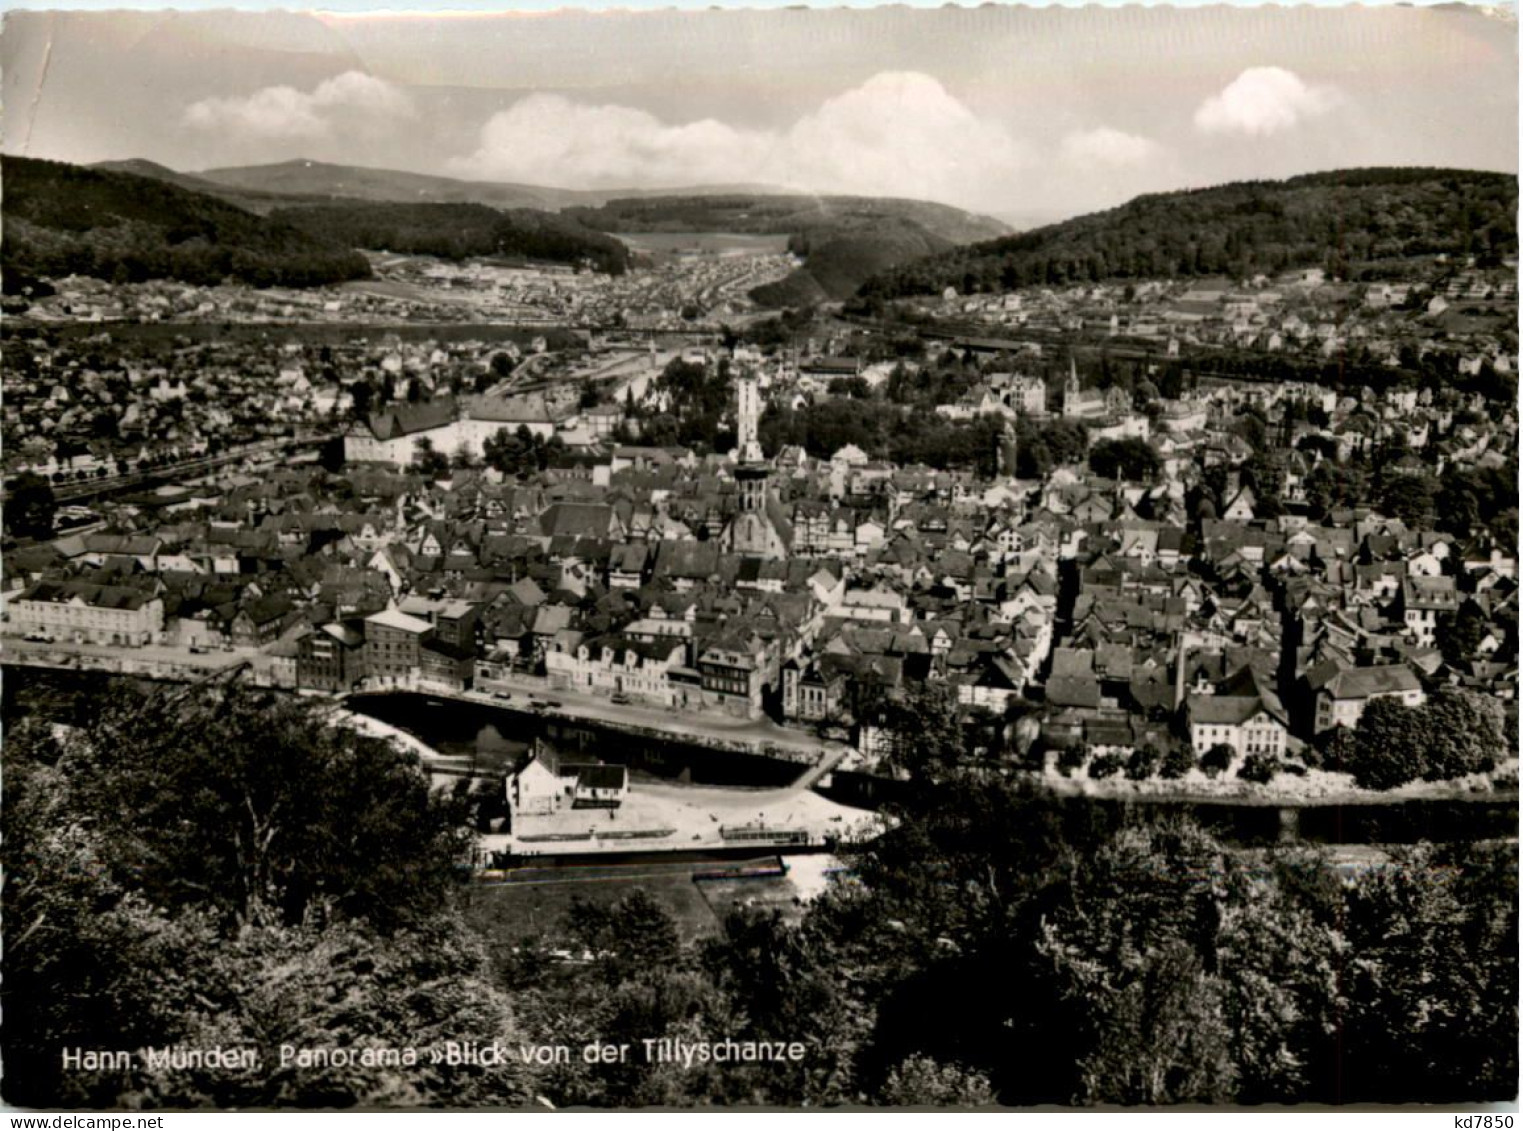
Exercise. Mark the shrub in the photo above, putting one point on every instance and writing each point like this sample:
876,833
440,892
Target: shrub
1259,768
1105,766
1177,762
1071,758
1218,759
1143,763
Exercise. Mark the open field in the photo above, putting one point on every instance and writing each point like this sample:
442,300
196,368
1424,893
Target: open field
710,243
507,914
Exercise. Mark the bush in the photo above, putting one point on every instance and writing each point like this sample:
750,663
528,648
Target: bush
1177,762
1071,758
1259,768
1105,766
1143,763
1218,759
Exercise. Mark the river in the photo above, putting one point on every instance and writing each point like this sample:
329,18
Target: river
495,740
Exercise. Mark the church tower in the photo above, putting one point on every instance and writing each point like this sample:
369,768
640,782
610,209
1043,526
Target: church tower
751,472
757,531
747,415
1071,390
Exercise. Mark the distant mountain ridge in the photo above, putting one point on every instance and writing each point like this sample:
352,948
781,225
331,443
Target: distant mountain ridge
845,239
318,179
1347,221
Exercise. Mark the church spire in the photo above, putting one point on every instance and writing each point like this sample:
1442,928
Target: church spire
748,447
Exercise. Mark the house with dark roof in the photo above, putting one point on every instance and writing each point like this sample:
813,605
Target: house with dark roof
1341,694
392,434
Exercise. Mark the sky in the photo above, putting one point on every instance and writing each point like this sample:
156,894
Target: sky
1028,114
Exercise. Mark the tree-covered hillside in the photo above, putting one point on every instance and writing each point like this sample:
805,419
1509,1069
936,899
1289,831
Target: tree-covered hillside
1346,221
459,231
783,214
65,220
836,261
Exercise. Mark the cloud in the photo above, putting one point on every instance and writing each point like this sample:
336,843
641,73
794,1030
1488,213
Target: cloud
1107,148
899,133
902,134
352,99
548,139
1263,101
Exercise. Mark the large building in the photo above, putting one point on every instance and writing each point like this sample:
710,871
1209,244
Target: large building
394,645
1244,722
331,657
83,613
395,434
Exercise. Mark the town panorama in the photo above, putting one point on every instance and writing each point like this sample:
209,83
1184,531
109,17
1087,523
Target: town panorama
472,649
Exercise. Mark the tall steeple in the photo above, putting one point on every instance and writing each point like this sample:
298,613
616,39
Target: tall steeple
748,413
757,531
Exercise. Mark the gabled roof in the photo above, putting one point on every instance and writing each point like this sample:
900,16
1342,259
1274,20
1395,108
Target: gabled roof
407,419
1361,683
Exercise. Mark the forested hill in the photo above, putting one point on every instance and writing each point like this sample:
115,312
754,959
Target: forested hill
1347,221
459,231
66,220
784,214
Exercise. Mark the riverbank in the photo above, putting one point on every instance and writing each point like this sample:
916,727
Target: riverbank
1315,789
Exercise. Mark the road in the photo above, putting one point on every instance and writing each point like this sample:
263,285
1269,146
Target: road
761,735
689,726
153,654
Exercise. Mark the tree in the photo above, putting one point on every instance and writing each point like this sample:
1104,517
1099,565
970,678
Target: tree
1460,633
1072,757
1387,748
1462,734
257,807
1144,762
1259,768
1435,933
1218,759
1106,766
921,1082
427,461
217,866
1130,459
925,719
1128,959
1409,498
1177,762
30,509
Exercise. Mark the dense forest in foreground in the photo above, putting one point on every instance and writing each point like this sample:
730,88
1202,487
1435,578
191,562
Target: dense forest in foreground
66,220
1343,221
458,231
216,868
